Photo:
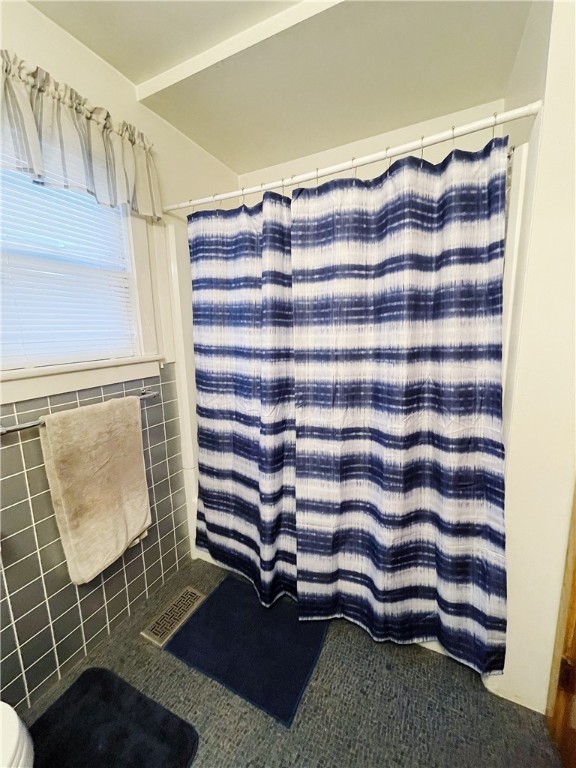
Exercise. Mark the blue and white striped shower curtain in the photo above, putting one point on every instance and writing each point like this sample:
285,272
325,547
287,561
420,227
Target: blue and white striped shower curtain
348,371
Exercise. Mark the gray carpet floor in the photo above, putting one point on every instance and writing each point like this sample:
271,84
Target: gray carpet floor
367,705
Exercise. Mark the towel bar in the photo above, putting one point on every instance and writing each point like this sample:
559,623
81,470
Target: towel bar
144,395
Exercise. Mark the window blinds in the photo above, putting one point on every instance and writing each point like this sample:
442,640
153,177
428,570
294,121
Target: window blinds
66,277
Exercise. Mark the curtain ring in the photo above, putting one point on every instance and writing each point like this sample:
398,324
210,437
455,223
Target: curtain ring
494,126
317,177
421,151
355,168
283,193
389,158
453,141
242,195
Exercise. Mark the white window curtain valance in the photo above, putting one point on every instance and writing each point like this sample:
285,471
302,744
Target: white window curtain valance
52,133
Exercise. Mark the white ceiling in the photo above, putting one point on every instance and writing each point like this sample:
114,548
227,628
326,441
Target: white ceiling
354,70
142,38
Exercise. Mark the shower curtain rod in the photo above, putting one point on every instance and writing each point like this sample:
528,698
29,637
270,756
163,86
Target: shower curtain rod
356,162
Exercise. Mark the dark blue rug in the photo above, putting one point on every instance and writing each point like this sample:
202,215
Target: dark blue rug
101,722
263,654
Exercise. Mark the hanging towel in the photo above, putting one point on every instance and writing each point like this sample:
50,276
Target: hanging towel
95,466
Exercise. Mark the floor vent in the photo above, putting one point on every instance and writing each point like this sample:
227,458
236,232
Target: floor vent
161,629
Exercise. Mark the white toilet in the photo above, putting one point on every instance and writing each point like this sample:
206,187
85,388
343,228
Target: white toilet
16,749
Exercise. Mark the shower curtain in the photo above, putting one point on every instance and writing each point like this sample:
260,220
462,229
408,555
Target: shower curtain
348,356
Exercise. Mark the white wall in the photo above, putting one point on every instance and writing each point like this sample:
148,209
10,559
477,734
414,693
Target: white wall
540,454
539,404
527,80
434,154
379,143
184,168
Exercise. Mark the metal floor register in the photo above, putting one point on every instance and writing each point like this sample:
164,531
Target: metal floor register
161,629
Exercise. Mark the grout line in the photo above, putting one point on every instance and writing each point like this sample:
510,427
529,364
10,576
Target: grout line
29,612
165,460
159,501
45,591
161,519
35,495
125,584
170,495
38,550
15,474
64,614
159,579
120,612
36,466
16,503
17,706
43,410
148,588
67,659
94,612
59,565
81,622
147,454
173,568
182,525
154,563
144,568
77,590
122,555
64,402
139,596
155,523
63,562
165,537
42,683
131,581
45,546
55,620
16,675
18,650
107,598
105,603
150,567
68,635
11,536
50,650
94,589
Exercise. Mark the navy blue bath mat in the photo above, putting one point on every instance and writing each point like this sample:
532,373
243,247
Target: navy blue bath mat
101,722
263,654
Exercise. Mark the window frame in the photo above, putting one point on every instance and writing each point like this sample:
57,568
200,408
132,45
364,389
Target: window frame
147,293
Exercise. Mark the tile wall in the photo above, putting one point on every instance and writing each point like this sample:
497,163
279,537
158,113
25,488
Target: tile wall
47,623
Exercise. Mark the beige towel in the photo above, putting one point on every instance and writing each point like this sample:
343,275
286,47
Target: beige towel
95,467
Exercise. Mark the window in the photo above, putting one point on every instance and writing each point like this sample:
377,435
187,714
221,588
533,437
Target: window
67,283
